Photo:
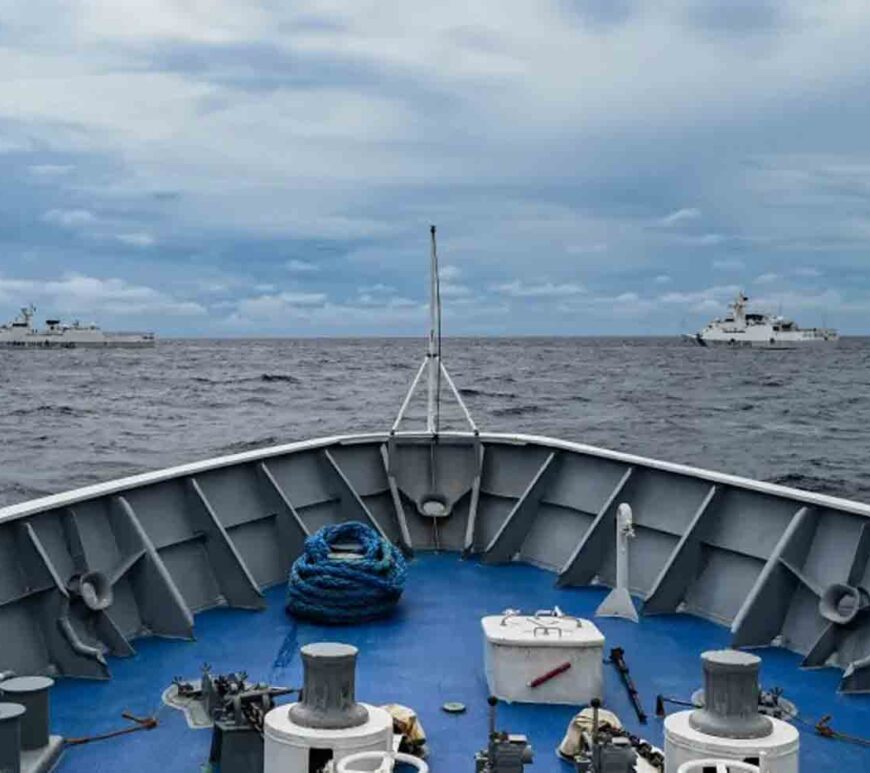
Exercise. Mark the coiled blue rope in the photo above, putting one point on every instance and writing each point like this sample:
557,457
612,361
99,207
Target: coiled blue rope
339,591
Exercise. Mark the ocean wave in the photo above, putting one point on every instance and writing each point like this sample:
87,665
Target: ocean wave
472,392
831,486
268,378
517,410
280,377
61,410
252,445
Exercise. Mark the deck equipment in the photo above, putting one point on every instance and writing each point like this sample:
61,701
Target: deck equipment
718,766
605,752
409,736
770,702
327,724
545,657
346,574
10,736
617,658
596,742
618,602
363,761
729,726
234,708
26,742
505,752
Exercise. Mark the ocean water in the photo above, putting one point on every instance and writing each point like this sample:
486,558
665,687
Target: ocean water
76,417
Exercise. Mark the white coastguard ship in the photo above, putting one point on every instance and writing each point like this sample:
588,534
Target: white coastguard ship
57,335
743,328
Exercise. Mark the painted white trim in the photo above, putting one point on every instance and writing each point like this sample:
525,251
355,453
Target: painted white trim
762,487
67,498
157,476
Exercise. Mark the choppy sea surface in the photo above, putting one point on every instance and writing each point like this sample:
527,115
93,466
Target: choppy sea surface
76,417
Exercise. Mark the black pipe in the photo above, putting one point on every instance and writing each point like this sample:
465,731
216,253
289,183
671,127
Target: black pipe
596,704
493,702
617,657
661,700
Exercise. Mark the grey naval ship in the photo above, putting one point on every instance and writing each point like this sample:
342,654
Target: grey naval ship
21,333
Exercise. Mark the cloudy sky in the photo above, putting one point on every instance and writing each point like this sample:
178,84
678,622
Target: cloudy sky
594,166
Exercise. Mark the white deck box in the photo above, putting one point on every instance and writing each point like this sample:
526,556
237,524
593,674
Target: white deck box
519,649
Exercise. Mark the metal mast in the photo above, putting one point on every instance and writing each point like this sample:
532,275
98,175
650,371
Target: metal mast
434,352
432,366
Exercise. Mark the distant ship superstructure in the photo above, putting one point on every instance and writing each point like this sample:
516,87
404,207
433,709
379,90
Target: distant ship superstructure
21,333
743,328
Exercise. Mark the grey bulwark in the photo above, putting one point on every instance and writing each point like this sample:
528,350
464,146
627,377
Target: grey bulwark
775,564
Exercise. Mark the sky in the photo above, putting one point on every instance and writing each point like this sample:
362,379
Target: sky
203,167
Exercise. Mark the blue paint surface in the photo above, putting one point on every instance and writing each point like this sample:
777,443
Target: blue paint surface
430,652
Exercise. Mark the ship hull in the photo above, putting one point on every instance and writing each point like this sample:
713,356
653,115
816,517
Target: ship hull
750,555
742,343
45,343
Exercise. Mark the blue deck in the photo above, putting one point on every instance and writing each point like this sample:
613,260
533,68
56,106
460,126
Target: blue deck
429,653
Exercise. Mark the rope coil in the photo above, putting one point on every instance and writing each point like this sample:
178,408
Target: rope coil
336,590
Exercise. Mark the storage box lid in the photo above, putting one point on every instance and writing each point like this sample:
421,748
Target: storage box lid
541,631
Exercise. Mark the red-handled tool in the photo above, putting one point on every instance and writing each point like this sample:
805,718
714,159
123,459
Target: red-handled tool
553,672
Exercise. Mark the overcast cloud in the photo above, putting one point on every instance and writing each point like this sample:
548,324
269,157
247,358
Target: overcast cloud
594,166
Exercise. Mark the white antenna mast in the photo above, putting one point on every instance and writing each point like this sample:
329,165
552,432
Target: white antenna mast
434,353
436,502
432,365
